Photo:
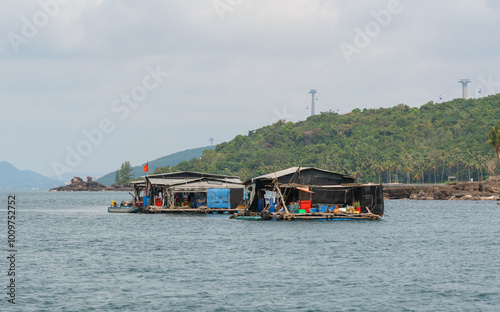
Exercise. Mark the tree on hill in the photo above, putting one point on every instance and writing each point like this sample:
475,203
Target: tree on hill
123,175
494,139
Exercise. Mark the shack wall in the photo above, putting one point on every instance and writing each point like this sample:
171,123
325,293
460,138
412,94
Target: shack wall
315,177
332,196
372,197
236,197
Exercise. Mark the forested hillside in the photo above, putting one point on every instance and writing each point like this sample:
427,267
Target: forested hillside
398,144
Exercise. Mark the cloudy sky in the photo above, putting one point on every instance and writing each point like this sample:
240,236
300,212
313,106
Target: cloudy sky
88,84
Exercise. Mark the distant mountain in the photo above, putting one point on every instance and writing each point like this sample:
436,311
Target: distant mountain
13,178
170,160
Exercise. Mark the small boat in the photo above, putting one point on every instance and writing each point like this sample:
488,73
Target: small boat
122,209
253,218
132,209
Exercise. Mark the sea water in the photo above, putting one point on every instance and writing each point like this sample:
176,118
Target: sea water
72,255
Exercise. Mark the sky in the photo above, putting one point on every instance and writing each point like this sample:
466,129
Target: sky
88,84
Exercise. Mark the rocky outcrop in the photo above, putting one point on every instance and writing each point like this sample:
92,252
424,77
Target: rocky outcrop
484,190
77,185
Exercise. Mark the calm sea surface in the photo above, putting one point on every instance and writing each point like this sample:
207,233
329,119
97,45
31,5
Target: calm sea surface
423,256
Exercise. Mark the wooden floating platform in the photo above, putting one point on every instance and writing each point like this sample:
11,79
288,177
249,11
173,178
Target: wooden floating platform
201,210
334,216
309,216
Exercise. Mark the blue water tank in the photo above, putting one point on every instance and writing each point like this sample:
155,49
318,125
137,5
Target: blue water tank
145,201
272,203
259,205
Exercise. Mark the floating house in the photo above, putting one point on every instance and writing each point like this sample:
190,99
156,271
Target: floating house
189,192
311,193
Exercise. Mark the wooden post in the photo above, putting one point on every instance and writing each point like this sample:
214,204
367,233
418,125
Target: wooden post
281,196
164,195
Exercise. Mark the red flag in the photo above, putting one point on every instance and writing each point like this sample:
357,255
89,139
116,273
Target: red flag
146,167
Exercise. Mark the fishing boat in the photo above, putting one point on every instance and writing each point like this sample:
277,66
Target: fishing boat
253,218
123,209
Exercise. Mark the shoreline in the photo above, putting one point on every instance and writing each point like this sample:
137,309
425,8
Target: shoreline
479,190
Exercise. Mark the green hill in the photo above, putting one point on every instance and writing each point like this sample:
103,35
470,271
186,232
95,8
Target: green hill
170,160
397,144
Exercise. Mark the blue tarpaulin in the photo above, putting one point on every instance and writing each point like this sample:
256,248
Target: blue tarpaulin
218,198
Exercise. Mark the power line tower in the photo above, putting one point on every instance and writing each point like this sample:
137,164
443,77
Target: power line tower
464,83
313,93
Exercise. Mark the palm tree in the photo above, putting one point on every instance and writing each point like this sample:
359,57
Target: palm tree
433,166
397,166
357,173
468,163
494,139
449,164
459,159
386,164
408,166
416,176
378,169
481,163
442,158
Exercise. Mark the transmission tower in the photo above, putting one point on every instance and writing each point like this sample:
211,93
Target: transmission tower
464,83
313,97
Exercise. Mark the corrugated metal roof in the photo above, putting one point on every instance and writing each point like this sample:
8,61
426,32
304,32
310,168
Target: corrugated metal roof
292,170
159,181
189,181
280,173
138,182
205,185
173,181
191,174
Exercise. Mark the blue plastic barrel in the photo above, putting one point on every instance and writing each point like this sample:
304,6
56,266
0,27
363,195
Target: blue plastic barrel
145,201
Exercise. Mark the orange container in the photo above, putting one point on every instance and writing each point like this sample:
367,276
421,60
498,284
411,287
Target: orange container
158,202
305,204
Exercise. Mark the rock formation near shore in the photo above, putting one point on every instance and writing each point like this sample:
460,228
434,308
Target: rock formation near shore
484,190
77,185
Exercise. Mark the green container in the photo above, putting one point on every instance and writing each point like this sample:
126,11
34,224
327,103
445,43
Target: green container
302,211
